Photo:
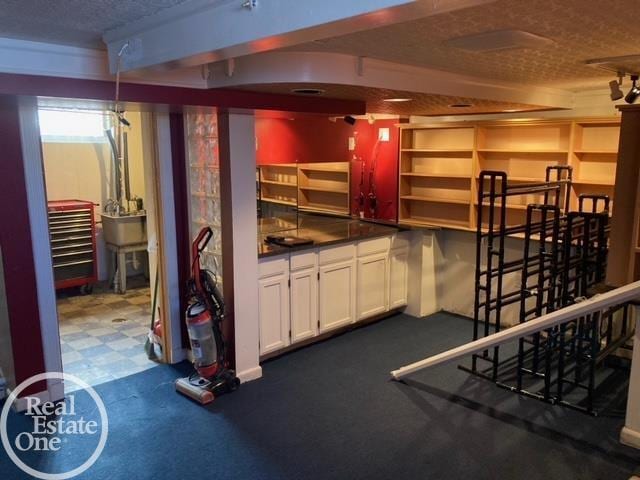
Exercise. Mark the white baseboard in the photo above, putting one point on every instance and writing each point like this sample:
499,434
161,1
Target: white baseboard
180,354
251,374
629,437
54,393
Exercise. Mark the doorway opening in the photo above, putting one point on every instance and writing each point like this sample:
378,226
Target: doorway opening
101,201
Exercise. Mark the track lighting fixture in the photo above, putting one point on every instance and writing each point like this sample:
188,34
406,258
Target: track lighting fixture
634,93
350,120
614,86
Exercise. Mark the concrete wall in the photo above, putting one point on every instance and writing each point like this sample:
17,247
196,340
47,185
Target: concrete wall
6,353
84,171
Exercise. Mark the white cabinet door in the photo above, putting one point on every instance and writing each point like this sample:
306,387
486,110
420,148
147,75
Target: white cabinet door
372,292
273,296
337,294
398,277
304,304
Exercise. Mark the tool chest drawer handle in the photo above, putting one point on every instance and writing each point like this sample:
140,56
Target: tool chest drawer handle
70,264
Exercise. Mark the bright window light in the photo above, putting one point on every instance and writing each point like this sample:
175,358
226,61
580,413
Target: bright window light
72,126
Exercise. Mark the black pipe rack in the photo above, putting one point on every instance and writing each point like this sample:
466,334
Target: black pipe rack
562,260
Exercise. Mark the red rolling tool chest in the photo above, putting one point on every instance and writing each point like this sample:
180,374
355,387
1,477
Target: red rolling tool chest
73,243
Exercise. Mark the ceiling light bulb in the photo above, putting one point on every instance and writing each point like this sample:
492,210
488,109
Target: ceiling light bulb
634,93
397,100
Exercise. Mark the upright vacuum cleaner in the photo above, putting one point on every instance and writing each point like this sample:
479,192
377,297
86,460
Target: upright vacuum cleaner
204,317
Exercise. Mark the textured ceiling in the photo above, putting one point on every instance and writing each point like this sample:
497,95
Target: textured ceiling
421,103
580,29
72,22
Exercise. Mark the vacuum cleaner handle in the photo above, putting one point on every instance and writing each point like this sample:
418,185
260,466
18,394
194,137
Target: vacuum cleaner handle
202,240
198,245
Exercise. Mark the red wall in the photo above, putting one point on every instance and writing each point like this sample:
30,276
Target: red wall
17,254
302,140
317,139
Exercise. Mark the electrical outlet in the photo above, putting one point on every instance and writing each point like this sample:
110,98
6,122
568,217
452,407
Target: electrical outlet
352,144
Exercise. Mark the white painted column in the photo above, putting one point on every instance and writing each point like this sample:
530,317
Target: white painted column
630,434
38,218
242,169
421,296
170,281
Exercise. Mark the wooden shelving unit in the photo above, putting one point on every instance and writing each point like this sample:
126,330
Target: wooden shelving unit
436,171
440,164
316,187
594,157
324,187
279,184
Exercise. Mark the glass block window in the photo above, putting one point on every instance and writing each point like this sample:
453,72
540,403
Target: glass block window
204,184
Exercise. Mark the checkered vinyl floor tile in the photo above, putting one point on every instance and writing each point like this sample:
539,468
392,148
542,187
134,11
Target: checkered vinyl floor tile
102,335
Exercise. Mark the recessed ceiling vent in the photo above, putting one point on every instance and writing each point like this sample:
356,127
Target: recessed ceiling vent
499,40
308,91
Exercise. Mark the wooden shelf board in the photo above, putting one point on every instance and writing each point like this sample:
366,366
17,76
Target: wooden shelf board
281,202
597,152
311,208
509,206
603,183
323,189
274,182
420,198
435,175
321,168
521,150
280,165
518,179
434,222
437,150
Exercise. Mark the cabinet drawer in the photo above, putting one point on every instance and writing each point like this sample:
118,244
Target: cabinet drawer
376,245
268,267
304,259
401,240
336,254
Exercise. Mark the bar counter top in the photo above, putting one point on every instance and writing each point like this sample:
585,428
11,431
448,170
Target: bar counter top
323,230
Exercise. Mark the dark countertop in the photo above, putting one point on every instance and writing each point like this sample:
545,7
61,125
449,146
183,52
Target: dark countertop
323,230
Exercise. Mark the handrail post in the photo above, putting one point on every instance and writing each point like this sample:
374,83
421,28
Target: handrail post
630,434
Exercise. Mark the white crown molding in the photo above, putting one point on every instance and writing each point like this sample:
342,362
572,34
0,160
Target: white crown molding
333,68
37,58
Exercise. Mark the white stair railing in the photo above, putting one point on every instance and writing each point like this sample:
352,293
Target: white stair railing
597,303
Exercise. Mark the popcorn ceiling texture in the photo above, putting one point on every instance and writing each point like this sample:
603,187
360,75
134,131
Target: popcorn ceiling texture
73,22
581,30
421,104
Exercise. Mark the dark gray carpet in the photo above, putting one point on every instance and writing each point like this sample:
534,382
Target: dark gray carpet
329,411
